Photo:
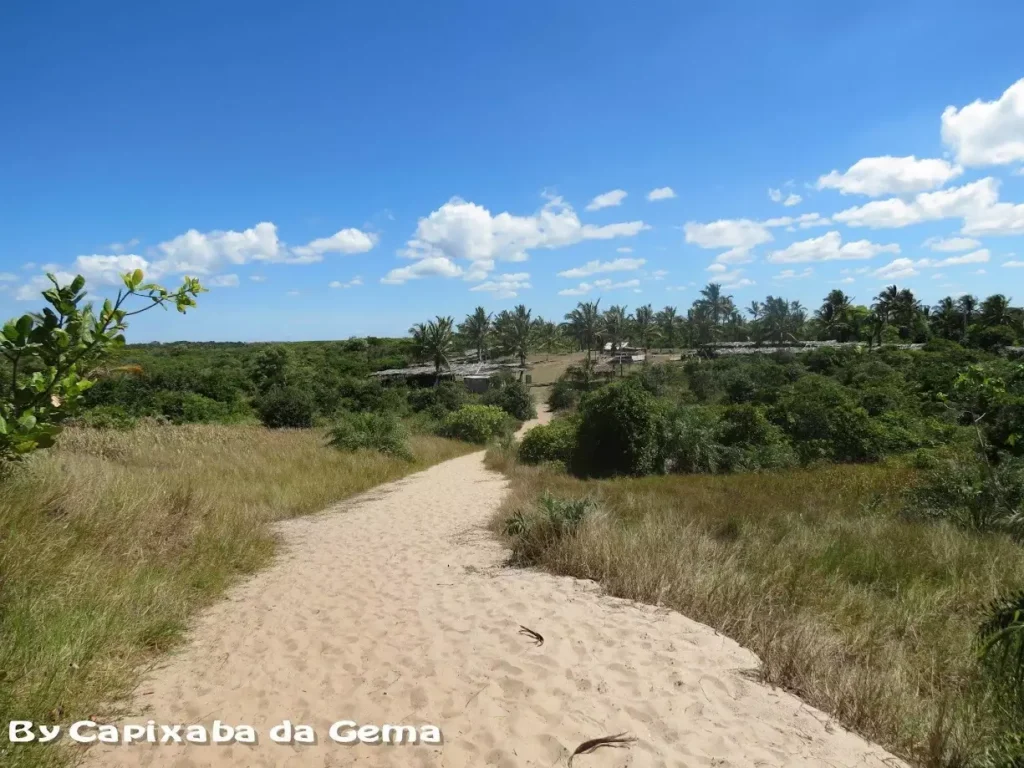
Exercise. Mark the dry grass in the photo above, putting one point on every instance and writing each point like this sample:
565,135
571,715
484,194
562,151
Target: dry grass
109,544
864,615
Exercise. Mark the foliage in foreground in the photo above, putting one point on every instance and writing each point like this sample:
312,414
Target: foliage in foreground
477,424
112,540
863,613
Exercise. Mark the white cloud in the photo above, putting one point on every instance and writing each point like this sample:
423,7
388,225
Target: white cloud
738,235
955,202
659,274
904,267
848,280
717,267
606,285
8,277
987,132
675,287
744,282
122,247
951,243
461,230
939,276
505,286
661,193
792,274
981,256
258,278
896,269
28,266
355,281
607,200
829,247
292,293
222,281
887,175
980,272
432,266
594,267
792,199
624,249
107,270
347,241
998,219
775,195
1013,263
803,221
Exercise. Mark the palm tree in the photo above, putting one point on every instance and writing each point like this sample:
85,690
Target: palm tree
701,324
995,310
966,305
645,327
435,341
945,320
549,335
885,302
668,325
718,305
834,315
585,324
514,332
476,328
906,311
755,309
616,326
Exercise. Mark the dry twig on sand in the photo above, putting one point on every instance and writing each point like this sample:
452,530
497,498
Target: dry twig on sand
619,740
537,637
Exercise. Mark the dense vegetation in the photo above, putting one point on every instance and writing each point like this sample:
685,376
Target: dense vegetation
890,595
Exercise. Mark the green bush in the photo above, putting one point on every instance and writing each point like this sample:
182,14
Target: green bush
107,417
513,398
190,408
563,396
973,494
823,421
619,432
751,442
286,407
439,400
549,442
477,423
690,440
380,432
532,533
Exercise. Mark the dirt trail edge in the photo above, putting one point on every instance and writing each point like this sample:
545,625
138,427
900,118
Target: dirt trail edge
395,608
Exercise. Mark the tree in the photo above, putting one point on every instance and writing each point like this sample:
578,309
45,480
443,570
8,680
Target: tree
616,326
834,315
514,332
54,353
476,328
549,335
585,324
966,305
995,310
434,341
270,368
718,305
645,327
668,325
945,320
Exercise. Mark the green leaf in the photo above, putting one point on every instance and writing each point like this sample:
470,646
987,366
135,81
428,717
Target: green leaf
27,421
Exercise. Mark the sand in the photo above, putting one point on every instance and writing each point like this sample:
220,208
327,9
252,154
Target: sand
396,607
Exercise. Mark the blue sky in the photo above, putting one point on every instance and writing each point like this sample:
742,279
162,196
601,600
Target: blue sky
297,155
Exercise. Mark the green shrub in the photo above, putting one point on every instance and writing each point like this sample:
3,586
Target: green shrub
286,407
513,398
107,417
823,421
477,423
439,400
549,442
619,432
690,440
532,533
190,408
380,432
973,494
563,396
751,442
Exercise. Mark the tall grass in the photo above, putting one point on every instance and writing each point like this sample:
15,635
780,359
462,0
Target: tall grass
109,544
864,614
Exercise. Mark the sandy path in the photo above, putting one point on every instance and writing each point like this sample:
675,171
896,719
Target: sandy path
395,608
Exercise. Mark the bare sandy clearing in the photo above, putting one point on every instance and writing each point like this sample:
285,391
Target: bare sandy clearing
395,608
